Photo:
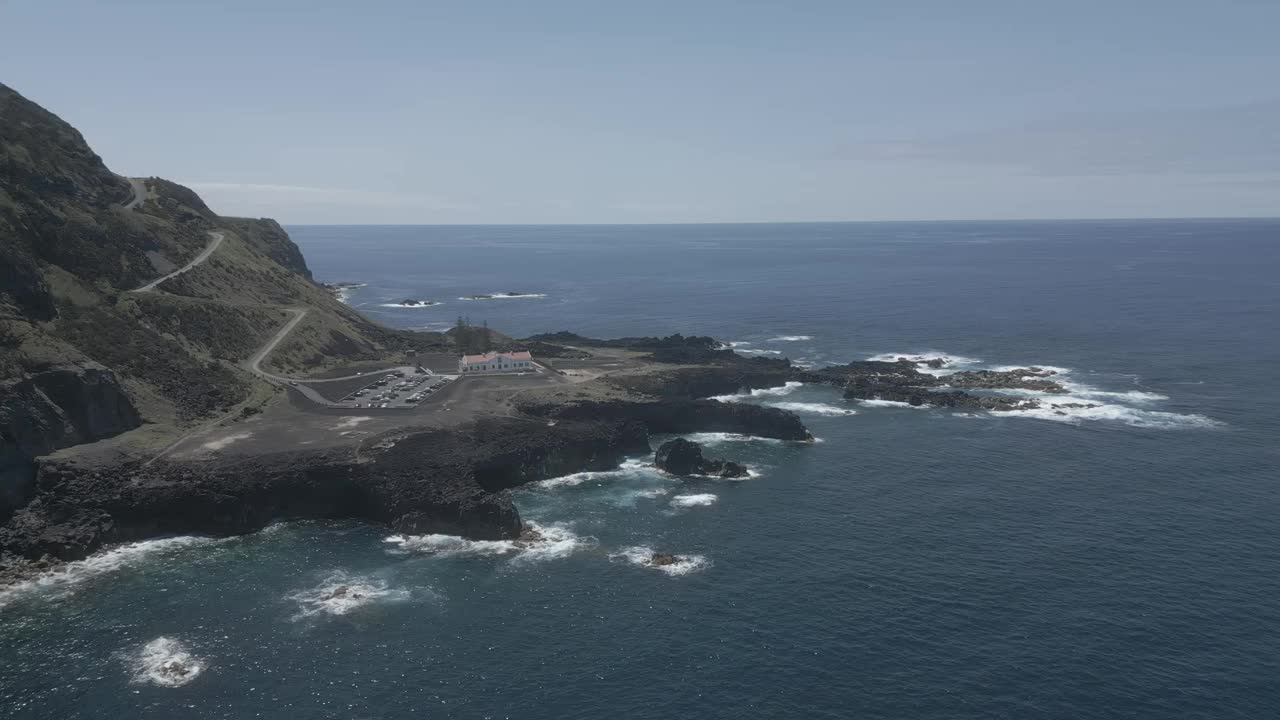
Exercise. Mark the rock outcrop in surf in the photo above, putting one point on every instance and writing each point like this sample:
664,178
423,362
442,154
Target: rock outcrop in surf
684,457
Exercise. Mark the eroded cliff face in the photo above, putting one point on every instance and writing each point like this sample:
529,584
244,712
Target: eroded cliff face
52,409
453,481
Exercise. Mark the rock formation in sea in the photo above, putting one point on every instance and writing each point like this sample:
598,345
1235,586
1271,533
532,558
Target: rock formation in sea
684,457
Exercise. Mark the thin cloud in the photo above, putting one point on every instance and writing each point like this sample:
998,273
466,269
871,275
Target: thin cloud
1213,141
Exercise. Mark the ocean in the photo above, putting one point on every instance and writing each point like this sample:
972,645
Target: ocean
1121,561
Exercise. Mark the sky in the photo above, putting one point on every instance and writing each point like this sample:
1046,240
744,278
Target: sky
401,112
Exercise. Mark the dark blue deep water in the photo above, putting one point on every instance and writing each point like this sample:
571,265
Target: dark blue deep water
1116,562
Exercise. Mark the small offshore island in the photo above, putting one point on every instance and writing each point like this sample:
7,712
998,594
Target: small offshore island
181,372
501,295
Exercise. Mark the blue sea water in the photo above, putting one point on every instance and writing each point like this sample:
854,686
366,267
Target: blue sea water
1116,562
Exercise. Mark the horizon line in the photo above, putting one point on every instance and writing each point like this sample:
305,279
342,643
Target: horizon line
785,222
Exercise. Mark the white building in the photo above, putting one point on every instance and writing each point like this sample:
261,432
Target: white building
496,362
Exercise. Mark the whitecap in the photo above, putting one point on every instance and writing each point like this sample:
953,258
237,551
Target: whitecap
1135,417
345,292
505,296
421,305
791,338
548,542
1131,396
712,438
64,579
630,466
643,557
811,408
918,357
755,351
651,492
696,500
1051,369
786,389
891,403
165,662
341,593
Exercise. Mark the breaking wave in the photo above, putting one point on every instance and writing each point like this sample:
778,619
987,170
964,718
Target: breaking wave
713,438
64,579
756,351
947,359
688,501
892,403
344,293
503,296
643,557
811,408
628,466
165,662
787,389
1135,417
341,593
420,304
790,338
1132,396
1108,405
547,542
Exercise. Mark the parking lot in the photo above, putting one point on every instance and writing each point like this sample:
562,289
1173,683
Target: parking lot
396,389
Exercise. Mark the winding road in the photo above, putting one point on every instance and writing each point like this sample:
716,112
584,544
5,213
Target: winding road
215,239
254,364
139,192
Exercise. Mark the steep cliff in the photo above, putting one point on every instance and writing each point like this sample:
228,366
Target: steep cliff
84,355
446,480
53,409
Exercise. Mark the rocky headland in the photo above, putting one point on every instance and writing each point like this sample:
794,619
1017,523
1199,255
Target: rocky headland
145,392
444,479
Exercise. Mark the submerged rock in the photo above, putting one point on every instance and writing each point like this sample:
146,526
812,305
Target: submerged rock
528,536
343,591
173,669
683,457
660,559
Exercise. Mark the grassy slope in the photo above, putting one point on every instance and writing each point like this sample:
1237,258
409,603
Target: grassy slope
69,254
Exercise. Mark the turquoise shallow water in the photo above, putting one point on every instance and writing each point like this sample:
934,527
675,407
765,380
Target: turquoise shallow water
1119,562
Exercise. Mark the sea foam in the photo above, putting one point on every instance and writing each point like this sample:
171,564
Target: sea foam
642,556
422,304
551,541
891,403
791,338
66,578
948,360
811,408
341,593
511,296
165,662
1135,417
713,438
631,466
696,500
787,389
1107,405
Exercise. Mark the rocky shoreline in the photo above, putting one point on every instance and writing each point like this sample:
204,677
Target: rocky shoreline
454,480
457,480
